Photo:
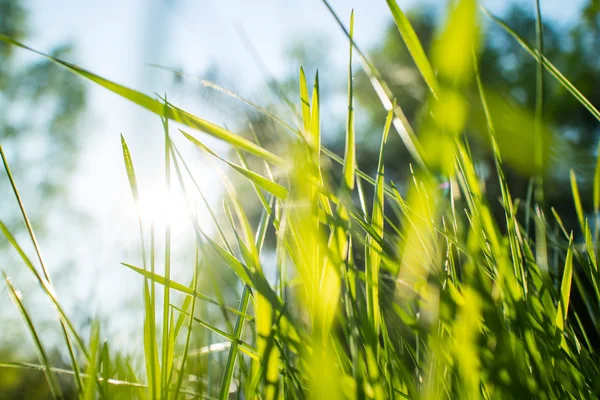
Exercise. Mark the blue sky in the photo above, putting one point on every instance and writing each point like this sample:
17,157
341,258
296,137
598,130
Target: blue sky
117,39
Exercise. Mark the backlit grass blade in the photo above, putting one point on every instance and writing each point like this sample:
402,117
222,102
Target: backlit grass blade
244,346
166,326
65,324
374,248
385,95
92,368
577,200
350,152
305,102
565,289
157,107
177,286
233,350
274,188
596,189
412,42
42,355
547,64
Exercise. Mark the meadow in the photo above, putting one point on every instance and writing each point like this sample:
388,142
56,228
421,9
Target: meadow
346,285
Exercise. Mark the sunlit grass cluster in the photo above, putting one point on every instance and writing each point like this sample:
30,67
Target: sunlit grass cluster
353,287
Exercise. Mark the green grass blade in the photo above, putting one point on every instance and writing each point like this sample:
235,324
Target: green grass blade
274,188
177,286
64,323
350,152
91,371
374,248
157,107
189,327
305,102
547,64
412,42
577,200
403,127
166,367
565,289
233,350
42,355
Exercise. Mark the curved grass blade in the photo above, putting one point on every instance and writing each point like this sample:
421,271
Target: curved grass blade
43,356
179,287
412,42
547,64
274,188
157,107
577,200
47,284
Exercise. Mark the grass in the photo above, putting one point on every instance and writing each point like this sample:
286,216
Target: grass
448,302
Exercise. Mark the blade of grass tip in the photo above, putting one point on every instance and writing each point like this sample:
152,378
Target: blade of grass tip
577,200
350,152
413,44
305,103
556,74
133,185
315,120
91,370
167,288
157,107
233,350
150,344
405,131
179,287
42,355
190,323
64,322
565,290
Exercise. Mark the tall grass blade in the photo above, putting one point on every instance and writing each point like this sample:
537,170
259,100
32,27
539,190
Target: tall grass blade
350,153
42,355
413,44
157,107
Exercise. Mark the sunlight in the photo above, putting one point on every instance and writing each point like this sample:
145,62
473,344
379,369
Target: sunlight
158,206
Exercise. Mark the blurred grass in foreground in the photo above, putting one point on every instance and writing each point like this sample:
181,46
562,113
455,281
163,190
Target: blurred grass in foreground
449,302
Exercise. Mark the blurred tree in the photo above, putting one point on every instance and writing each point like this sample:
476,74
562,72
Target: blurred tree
41,105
